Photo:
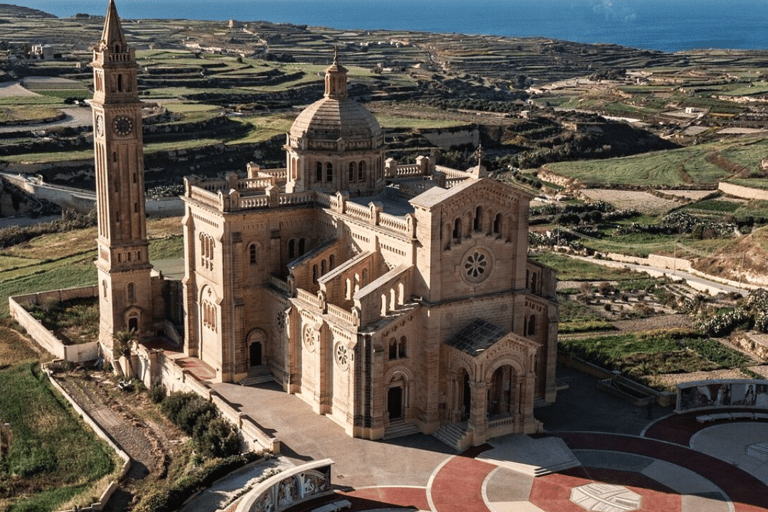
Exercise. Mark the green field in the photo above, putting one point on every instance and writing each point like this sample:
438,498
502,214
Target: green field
569,269
53,455
641,355
686,166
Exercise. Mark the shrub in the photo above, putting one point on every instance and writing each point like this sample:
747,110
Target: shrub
157,393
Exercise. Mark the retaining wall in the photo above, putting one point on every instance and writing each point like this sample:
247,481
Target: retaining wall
74,353
154,366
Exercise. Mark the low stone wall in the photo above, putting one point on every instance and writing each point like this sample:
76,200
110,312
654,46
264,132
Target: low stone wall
446,138
154,366
165,207
742,192
74,353
662,398
112,487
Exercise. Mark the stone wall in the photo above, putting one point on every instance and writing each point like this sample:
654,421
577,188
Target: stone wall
74,353
446,138
155,366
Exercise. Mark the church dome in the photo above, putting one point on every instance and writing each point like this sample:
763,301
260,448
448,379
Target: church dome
330,119
336,116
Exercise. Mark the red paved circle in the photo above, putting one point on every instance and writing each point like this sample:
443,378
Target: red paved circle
552,493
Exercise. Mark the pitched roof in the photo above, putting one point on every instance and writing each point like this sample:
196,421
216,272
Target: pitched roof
477,337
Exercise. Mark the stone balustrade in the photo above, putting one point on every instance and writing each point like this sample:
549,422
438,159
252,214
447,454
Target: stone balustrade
310,298
337,313
248,194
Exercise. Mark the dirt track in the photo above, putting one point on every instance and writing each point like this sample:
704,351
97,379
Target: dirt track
124,416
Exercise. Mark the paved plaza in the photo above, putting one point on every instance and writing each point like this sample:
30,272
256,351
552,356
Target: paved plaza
620,460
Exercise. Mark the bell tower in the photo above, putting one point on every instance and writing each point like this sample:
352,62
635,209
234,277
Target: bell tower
125,286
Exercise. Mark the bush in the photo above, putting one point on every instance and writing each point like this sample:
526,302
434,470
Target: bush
157,393
213,436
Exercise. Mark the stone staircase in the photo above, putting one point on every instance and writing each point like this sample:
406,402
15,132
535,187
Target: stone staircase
452,434
400,428
534,457
257,375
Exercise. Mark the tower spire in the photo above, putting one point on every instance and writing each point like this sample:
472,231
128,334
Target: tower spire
113,38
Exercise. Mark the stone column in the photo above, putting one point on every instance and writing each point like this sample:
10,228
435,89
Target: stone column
478,417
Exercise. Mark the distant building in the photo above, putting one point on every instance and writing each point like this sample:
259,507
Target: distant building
43,51
383,295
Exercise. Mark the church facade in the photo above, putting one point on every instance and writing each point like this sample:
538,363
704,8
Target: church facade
383,295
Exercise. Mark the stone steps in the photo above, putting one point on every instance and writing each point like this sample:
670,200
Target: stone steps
400,429
259,375
451,434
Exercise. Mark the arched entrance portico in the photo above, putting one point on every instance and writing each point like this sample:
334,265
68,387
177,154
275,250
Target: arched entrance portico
501,392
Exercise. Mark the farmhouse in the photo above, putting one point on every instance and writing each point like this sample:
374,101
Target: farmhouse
384,295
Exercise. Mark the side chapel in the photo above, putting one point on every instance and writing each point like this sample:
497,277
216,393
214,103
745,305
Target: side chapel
384,295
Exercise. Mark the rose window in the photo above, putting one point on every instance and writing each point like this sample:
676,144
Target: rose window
342,356
309,338
281,320
477,266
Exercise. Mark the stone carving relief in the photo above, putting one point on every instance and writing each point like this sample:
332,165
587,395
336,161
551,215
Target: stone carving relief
606,498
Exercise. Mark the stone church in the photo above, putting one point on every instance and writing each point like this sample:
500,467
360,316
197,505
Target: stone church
385,295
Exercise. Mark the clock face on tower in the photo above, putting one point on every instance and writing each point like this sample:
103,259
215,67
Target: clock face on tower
122,125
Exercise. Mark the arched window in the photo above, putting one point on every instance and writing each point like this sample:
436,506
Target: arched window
331,262
131,293
533,282
119,83
322,268
351,171
478,224
319,171
291,249
252,254
329,171
392,349
497,224
457,229
302,246
532,325
314,273
361,171
401,347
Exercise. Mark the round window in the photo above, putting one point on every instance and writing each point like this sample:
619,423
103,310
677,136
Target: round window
476,266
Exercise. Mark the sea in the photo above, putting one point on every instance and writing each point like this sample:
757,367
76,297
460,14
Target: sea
666,25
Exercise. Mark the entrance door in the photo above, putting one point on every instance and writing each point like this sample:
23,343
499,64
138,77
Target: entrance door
255,354
395,403
133,324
